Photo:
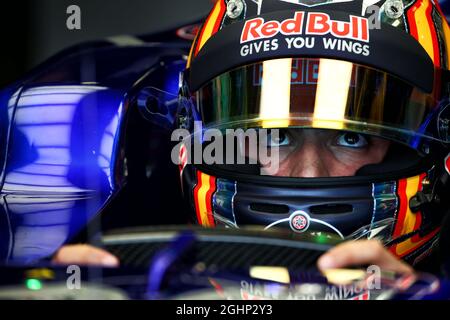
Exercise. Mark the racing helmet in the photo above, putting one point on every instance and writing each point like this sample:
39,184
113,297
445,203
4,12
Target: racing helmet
358,77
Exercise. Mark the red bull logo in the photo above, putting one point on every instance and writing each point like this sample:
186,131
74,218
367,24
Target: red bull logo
317,23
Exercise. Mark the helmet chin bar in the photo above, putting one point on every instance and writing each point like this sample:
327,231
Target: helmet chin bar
358,210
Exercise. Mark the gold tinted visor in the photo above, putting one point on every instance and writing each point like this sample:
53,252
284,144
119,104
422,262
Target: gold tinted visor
318,93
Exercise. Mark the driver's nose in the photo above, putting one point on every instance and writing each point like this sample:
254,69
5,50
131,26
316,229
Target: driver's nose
307,161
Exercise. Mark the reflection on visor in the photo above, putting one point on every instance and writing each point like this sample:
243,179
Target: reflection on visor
279,75
317,93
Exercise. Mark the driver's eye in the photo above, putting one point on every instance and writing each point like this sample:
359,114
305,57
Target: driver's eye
278,139
351,140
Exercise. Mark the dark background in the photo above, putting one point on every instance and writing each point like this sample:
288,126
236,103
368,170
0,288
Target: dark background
33,30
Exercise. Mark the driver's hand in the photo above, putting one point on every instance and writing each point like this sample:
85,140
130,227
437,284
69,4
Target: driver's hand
360,253
85,255
348,254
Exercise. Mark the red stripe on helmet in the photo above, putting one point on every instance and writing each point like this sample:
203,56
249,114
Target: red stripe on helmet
209,200
412,19
196,189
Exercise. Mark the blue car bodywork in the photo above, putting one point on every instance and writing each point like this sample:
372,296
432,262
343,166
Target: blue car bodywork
62,140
